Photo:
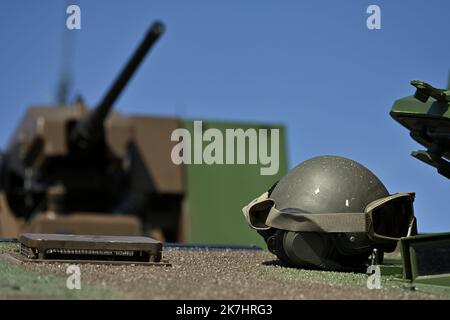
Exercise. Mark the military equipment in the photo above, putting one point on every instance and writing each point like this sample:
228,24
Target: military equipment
37,247
330,212
427,116
426,259
74,170
90,162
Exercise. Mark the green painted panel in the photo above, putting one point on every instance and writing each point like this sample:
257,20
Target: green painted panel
217,193
425,258
414,107
435,280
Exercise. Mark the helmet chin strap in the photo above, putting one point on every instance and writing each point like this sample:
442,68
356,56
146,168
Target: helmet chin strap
262,214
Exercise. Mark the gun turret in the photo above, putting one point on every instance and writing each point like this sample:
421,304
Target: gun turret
90,129
65,170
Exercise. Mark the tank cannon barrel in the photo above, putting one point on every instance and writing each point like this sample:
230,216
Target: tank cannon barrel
90,127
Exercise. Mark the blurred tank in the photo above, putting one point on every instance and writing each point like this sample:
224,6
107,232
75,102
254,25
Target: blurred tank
75,170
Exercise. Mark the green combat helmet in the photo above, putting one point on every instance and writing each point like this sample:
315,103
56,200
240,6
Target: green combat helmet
330,213
427,116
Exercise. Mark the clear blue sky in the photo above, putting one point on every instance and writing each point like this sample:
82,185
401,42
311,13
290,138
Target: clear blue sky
311,65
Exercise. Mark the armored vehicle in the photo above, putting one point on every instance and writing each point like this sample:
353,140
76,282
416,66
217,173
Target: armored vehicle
75,170
426,115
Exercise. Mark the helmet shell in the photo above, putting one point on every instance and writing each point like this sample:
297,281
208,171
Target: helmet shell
328,184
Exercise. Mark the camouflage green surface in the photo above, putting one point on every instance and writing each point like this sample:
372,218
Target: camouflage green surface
199,274
412,106
411,260
217,193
